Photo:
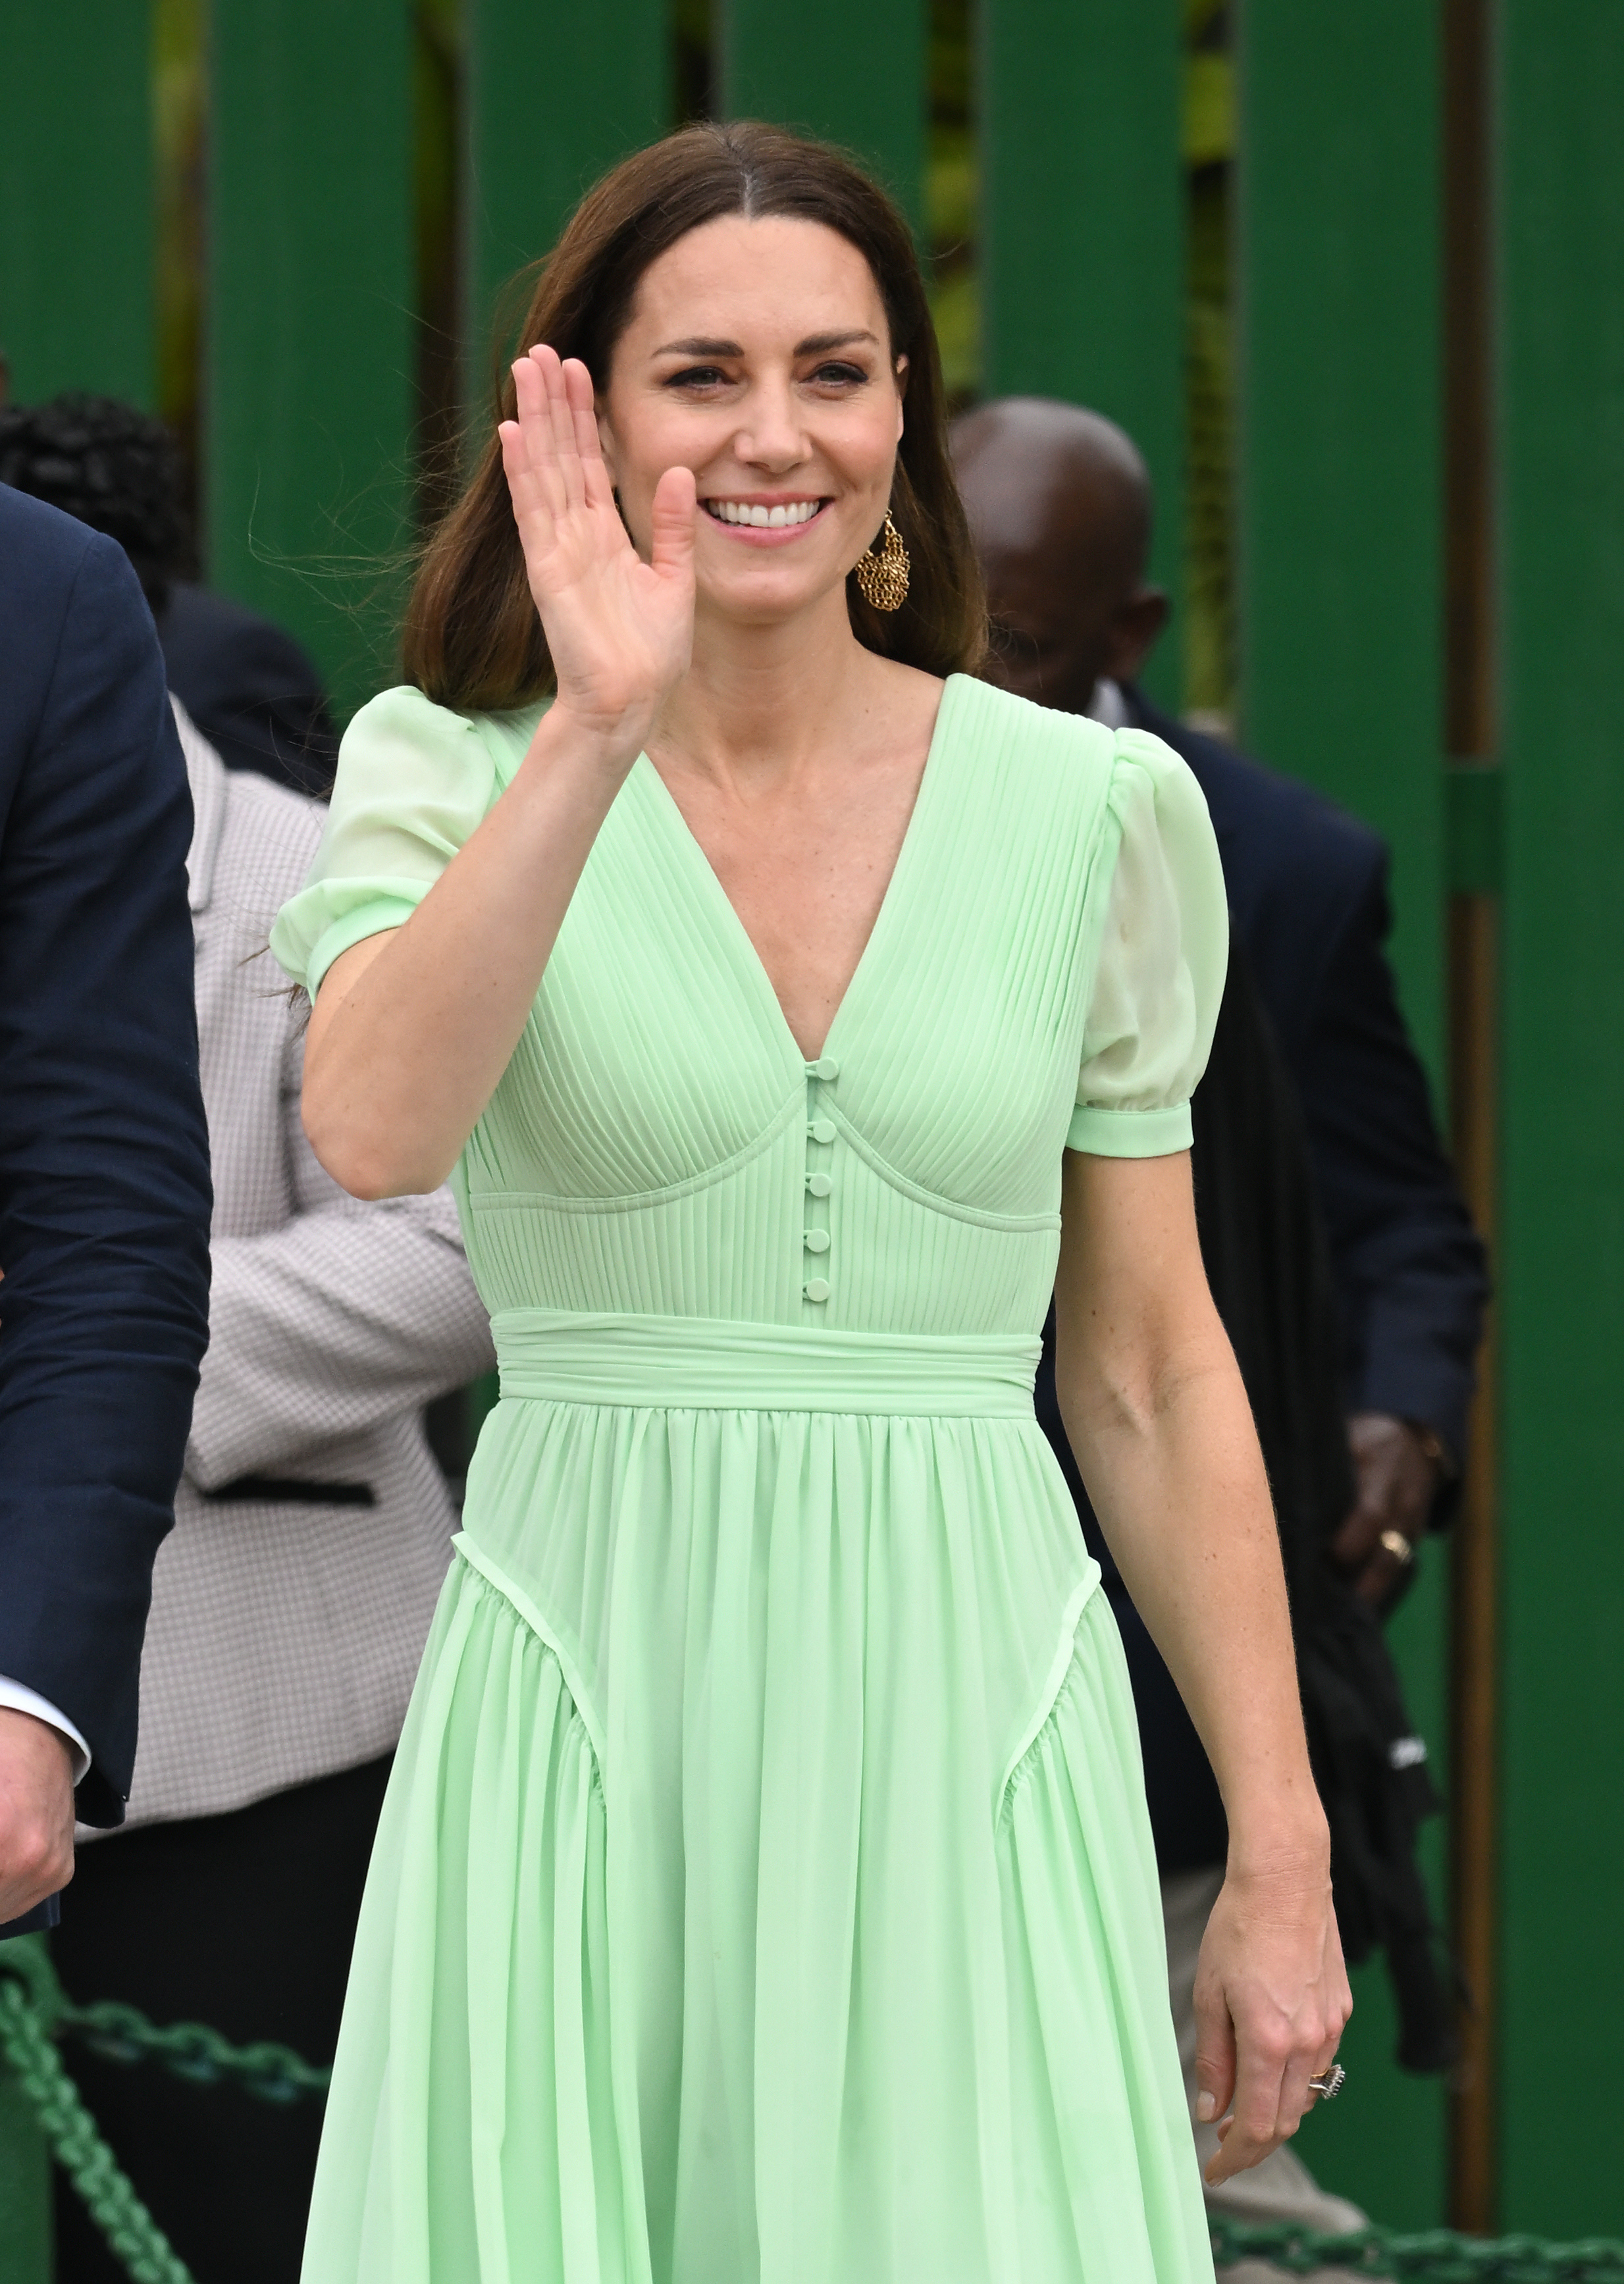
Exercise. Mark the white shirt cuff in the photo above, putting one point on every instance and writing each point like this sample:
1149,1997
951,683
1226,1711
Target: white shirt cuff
15,1699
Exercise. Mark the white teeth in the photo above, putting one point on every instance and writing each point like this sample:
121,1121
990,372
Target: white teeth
765,519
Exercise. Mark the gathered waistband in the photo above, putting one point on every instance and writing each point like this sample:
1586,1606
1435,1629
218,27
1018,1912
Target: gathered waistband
680,1363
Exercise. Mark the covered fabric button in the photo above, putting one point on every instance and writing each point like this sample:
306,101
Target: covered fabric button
825,1068
818,1185
822,1129
817,1240
816,1288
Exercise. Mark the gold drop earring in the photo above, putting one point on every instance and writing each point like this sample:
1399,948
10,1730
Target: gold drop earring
883,578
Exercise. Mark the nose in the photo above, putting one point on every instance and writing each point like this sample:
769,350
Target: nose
771,436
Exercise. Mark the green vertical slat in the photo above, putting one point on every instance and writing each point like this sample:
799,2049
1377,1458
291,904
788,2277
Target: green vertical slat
851,70
1083,233
1340,622
555,95
1561,99
1341,595
77,234
311,331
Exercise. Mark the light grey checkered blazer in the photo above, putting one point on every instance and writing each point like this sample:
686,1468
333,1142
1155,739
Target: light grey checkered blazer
284,1636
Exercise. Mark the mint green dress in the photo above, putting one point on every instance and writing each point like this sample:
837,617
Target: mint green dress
764,1893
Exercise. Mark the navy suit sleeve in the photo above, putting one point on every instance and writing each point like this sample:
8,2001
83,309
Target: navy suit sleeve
104,1162
1410,1268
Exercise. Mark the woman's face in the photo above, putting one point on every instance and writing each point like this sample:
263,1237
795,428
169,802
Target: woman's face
757,355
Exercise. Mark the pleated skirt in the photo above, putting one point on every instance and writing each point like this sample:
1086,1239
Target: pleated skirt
764,1893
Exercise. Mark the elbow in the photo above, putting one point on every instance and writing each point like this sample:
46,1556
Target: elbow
361,1159
1123,1400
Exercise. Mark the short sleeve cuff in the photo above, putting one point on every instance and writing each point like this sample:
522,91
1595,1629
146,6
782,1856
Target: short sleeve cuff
1130,1133
371,917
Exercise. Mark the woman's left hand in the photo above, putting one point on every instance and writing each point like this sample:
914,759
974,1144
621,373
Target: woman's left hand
1272,1999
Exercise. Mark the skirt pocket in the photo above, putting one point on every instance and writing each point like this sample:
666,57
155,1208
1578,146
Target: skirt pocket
475,2125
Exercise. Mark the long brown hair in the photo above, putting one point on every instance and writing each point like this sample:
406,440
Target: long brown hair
472,636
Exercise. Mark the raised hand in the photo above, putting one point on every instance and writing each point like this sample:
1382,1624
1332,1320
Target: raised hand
620,630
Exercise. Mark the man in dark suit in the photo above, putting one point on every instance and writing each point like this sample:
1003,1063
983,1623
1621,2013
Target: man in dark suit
1060,505
104,1179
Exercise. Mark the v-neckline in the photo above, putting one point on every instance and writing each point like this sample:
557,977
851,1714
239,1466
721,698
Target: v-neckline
758,965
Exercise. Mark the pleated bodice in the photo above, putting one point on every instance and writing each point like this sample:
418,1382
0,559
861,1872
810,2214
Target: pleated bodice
659,1145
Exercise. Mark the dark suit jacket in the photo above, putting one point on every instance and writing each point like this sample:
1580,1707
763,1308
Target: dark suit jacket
1307,887
104,1153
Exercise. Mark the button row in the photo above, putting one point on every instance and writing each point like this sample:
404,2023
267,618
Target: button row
820,1185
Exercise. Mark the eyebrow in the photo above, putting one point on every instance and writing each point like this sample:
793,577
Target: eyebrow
814,345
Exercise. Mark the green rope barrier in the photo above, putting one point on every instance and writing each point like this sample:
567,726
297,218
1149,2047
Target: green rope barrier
70,2130
122,2034
35,2011
188,2050
1439,2257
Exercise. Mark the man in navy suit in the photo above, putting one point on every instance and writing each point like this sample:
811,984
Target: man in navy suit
104,1179
1060,505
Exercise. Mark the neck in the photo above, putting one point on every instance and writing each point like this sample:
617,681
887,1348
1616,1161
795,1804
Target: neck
760,702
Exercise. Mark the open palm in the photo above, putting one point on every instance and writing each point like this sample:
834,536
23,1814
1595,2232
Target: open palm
620,630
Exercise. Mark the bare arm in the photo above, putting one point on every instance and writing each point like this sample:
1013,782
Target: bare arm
1158,1419
414,1027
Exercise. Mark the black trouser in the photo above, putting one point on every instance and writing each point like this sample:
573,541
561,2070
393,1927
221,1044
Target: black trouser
244,1922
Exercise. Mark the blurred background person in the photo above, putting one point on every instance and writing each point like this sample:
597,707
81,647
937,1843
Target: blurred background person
1060,504
1380,1322
254,692
103,1180
289,1607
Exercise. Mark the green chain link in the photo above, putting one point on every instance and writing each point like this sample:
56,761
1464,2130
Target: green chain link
1439,2258
189,2050
122,2034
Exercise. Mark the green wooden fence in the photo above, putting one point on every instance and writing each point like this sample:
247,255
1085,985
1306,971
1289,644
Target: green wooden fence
319,382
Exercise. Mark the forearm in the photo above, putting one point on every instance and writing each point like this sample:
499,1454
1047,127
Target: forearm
412,1031
1178,1482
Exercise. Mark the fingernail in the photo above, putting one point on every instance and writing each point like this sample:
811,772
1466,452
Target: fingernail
1207,2107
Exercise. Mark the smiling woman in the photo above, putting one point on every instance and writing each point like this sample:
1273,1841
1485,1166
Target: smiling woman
764,1893
473,637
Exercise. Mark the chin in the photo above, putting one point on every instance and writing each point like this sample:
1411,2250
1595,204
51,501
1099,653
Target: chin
765,597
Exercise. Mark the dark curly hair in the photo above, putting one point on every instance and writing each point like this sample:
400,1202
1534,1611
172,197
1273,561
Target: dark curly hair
111,467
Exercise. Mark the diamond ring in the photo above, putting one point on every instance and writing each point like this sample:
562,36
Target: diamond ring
1329,2084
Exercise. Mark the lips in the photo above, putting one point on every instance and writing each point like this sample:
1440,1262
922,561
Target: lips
783,515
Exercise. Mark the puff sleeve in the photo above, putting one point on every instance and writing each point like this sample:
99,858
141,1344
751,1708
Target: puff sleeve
1162,955
414,780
